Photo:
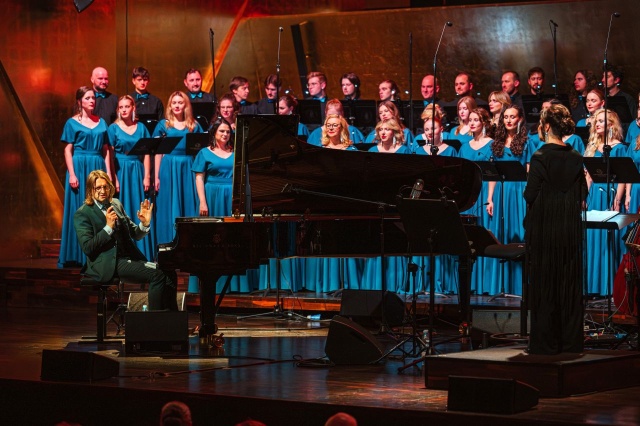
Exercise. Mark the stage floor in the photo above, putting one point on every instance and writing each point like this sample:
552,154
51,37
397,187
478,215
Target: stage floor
270,369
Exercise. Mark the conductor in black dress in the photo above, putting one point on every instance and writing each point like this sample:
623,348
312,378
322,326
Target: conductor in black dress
555,192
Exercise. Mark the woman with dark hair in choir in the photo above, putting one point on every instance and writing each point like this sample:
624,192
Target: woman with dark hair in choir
86,149
389,138
388,91
583,82
461,132
598,271
388,110
479,149
634,127
133,173
435,141
510,143
335,133
229,108
350,84
174,184
498,101
593,102
286,105
554,193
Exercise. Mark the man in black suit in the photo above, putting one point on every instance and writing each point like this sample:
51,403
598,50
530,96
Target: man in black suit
106,233
106,102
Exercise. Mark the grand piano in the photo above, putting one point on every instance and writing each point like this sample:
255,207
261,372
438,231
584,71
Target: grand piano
336,203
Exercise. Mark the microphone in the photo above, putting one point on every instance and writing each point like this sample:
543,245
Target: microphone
211,32
280,29
553,23
449,24
416,191
616,14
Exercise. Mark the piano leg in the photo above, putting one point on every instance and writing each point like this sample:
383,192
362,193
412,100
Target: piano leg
208,325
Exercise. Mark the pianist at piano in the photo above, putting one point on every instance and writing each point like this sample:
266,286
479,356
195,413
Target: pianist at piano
104,232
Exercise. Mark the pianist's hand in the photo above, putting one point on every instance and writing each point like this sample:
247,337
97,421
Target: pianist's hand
144,214
204,210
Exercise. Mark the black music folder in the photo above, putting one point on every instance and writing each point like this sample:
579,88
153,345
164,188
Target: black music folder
152,146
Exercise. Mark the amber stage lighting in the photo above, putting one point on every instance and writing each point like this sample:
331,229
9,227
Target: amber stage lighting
82,4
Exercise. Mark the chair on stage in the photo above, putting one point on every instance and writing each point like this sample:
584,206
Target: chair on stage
117,316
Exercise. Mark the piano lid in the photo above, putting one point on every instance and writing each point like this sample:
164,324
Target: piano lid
268,152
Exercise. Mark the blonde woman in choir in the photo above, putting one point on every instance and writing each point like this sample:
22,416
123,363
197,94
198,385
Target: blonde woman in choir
335,133
388,110
599,270
389,138
594,101
86,149
462,132
498,101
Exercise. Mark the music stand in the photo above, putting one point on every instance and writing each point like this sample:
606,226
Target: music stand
362,114
619,105
195,142
532,105
204,112
433,227
152,146
418,108
150,121
310,111
621,170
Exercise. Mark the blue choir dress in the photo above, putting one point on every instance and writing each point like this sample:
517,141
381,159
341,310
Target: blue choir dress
632,133
634,154
87,157
600,267
463,138
482,282
446,276
130,172
177,195
509,200
408,138
218,191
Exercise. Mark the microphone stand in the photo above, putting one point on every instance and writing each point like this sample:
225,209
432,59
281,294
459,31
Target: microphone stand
435,84
277,102
411,84
213,64
606,151
554,27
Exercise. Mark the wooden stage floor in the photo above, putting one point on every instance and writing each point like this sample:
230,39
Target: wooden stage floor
270,369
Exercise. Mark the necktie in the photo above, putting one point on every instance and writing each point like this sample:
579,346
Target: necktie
196,95
142,96
425,102
319,99
271,101
101,95
243,102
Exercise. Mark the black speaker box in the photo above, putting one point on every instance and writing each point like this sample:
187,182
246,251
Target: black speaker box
73,366
156,331
490,395
350,343
365,307
491,322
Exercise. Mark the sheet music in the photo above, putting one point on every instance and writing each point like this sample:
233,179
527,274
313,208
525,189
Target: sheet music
600,216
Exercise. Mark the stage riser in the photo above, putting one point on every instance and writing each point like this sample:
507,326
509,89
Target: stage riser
596,371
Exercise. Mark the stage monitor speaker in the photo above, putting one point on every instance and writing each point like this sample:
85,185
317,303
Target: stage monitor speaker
138,299
74,366
491,322
350,343
364,307
490,395
82,4
149,333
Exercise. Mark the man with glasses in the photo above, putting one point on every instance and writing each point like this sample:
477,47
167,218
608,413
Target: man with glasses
105,235
316,88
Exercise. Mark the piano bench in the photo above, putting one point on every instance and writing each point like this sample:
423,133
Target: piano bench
101,319
512,251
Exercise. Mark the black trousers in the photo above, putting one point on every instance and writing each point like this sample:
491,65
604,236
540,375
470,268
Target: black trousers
162,284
